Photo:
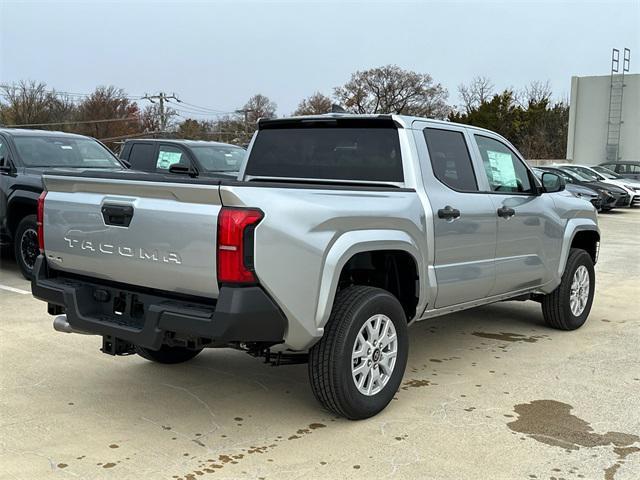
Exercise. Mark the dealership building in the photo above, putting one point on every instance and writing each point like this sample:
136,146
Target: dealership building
604,119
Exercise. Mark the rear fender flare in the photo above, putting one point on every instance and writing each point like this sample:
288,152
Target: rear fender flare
348,245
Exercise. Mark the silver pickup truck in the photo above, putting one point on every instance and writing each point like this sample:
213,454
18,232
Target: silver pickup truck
339,233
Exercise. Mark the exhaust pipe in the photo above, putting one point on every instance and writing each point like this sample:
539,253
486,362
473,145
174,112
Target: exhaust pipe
60,324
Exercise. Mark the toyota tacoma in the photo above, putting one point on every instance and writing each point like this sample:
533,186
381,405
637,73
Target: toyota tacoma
339,233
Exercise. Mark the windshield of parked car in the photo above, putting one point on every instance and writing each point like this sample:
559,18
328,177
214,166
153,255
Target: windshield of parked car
585,172
58,151
606,173
580,176
219,158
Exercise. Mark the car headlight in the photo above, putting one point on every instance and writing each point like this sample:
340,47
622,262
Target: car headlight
631,187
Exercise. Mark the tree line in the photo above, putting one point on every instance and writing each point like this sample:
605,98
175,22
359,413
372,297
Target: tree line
530,118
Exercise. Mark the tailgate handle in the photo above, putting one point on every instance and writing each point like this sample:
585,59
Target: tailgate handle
117,215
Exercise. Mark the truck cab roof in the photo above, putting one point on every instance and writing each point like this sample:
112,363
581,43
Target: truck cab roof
179,141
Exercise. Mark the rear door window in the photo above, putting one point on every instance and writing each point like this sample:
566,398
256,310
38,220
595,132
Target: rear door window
360,153
450,159
142,157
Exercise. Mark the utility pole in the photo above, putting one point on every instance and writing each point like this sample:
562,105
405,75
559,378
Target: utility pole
161,97
245,112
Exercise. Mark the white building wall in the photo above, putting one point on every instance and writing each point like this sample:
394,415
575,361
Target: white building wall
589,115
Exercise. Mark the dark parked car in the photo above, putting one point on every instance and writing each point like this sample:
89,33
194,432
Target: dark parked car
595,197
611,195
625,169
24,156
187,157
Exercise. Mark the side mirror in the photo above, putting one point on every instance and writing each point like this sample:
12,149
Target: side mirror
552,182
182,169
179,168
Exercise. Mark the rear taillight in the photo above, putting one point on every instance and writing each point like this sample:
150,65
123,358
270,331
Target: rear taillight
40,220
235,244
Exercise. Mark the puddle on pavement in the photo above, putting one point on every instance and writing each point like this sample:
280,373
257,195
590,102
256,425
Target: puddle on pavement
508,337
551,422
416,384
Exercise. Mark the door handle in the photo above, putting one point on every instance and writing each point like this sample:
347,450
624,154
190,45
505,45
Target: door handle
449,213
117,215
506,212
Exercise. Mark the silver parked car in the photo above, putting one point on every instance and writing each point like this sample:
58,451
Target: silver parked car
340,233
631,189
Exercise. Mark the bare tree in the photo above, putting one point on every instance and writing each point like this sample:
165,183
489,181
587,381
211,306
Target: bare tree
316,104
232,129
536,92
390,89
150,118
259,106
30,102
480,90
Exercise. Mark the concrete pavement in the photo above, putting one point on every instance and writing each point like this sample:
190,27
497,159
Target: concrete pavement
488,393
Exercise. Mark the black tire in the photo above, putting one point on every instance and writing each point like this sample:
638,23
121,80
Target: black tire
167,354
556,306
25,245
330,363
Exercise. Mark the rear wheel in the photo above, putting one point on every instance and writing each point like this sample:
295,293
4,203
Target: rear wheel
25,245
357,366
167,354
568,306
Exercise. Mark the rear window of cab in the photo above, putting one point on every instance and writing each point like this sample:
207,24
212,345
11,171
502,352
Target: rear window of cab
356,152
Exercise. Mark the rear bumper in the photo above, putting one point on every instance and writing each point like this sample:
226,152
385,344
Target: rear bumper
150,319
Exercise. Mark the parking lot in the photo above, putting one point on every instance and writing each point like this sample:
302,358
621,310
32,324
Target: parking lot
488,393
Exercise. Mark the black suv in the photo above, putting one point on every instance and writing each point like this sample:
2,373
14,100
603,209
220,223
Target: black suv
24,156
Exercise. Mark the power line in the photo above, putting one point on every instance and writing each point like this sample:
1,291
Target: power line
213,110
72,122
197,113
58,92
191,108
131,135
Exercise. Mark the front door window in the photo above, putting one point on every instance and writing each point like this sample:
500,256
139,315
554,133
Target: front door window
505,171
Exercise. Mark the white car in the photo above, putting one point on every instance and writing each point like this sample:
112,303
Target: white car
632,188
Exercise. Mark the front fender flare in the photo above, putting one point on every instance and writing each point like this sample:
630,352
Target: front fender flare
348,245
574,226
26,197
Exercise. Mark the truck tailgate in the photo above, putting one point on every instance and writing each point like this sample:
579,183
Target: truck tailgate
151,234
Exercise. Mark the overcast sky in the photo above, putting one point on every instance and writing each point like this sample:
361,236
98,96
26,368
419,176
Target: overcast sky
217,54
